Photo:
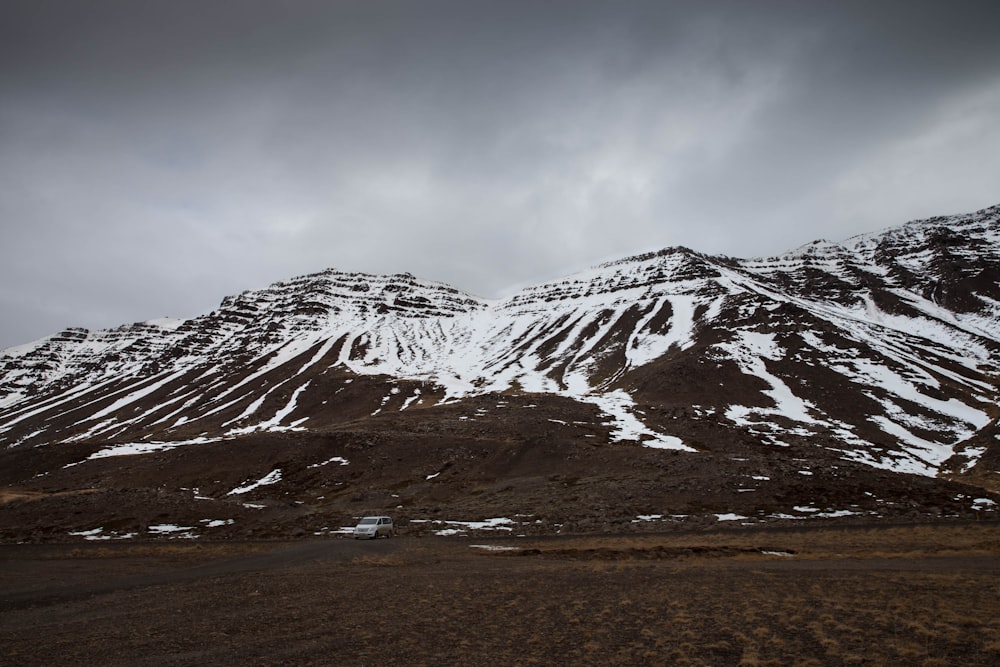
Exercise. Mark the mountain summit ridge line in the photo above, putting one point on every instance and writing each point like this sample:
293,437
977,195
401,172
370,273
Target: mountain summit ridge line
884,312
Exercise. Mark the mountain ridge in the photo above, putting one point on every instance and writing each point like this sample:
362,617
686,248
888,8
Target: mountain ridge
882,351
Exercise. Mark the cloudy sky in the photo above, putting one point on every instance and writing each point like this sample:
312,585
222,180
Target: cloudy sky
157,156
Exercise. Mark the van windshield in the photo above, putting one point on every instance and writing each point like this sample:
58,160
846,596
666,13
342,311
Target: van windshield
368,520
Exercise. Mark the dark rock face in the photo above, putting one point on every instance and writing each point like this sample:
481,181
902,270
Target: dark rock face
854,379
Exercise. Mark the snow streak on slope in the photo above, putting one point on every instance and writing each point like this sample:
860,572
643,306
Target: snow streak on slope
751,351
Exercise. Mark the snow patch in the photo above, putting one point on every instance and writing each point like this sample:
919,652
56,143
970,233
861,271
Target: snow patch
626,426
272,477
136,448
98,534
460,527
336,459
984,504
493,547
181,532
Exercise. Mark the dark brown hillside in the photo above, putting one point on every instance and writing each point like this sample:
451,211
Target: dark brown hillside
545,463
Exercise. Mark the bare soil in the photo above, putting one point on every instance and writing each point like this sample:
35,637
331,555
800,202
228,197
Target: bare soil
875,595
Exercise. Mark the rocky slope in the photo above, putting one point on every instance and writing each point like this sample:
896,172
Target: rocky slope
840,379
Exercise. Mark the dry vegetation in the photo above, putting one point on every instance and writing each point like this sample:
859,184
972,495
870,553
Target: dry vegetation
853,542
922,595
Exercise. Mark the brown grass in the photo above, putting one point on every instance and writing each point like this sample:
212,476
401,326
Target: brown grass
441,602
11,494
901,542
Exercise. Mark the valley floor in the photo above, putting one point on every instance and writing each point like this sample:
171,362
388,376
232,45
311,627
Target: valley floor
889,595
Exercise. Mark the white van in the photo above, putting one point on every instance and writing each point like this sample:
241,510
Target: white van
373,527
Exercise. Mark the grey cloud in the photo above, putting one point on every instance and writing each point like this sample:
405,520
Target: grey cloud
161,155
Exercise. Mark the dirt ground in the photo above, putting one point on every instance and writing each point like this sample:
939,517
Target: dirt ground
902,595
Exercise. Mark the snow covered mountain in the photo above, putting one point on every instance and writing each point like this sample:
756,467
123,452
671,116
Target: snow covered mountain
882,351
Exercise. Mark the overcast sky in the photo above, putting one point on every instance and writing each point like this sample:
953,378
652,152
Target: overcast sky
157,156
